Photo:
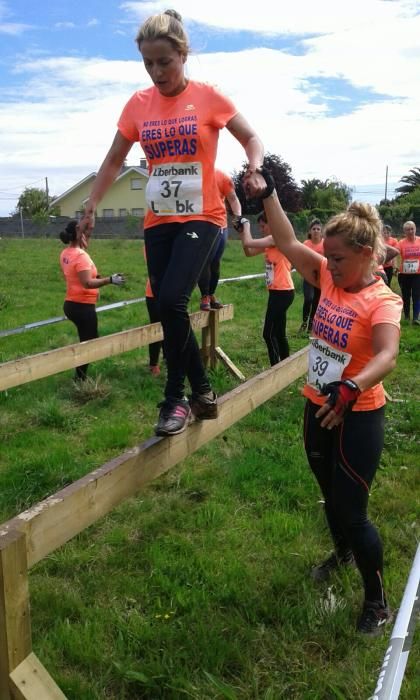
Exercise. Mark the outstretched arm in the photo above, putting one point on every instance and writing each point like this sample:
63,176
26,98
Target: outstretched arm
104,179
254,149
305,260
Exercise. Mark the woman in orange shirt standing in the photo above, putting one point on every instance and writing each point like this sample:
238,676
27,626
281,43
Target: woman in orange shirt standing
409,272
83,285
311,293
177,122
354,345
279,284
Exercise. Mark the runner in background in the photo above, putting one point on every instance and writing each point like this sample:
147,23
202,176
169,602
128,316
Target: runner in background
83,283
409,272
177,122
354,346
311,293
279,285
209,278
389,240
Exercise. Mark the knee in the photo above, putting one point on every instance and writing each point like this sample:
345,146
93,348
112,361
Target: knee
170,304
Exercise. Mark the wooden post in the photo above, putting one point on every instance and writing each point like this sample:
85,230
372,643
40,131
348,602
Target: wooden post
15,624
214,337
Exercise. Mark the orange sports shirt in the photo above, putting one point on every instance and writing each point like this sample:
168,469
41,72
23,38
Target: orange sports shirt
317,247
179,136
341,341
277,270
72,261
410,256
225,187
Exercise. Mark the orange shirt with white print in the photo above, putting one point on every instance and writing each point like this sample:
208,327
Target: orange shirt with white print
225,186
72,261
391,241
317,247
179,136
410,256
341,341
277,270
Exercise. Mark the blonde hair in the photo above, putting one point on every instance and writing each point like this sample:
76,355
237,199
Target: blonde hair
167,25
360,225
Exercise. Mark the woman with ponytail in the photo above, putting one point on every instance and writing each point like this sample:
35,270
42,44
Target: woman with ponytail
177,122
354,345
83,285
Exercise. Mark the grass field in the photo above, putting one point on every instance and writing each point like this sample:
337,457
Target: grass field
199,587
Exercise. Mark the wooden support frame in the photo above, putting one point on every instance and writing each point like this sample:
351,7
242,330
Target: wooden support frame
27,369
230,366
35,533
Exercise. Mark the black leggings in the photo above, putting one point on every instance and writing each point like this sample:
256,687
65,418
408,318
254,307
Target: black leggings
410,290
344,461
311,296
86,321
274,332
176,254
209,278
154,348
389,272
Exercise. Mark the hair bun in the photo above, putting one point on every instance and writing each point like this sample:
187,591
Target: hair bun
366,211
174,14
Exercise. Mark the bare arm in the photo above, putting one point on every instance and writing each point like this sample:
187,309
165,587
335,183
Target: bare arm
305,260
385,342
234,203
391,253
253,246
239,128
89,282
104,179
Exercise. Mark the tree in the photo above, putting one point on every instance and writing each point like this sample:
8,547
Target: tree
325,194
287,189
410,182
33,205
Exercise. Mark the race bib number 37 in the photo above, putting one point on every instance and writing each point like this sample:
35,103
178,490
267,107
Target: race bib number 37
175,189
325,364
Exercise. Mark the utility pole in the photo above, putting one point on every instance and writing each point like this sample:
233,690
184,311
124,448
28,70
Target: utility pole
386,182
46,193
21,222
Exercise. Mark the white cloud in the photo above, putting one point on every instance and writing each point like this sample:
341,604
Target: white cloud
92,22
61,118
64,25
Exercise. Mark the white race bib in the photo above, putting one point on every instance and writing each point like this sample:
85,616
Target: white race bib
175,189
269,273
410,267
325,363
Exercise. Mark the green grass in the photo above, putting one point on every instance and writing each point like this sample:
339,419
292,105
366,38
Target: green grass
199,587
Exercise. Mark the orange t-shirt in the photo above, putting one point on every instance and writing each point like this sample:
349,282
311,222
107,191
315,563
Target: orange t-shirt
410,256
72,261
317,247
341,341
179,137
391,241
277,270
225,187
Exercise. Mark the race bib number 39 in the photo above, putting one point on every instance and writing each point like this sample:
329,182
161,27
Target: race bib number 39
325,364
410,267
175,189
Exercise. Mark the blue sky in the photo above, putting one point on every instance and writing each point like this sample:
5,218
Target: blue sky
331,88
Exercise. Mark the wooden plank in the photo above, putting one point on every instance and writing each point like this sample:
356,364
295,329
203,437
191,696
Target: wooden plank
60,517
27,369
15,625
229,364
214,337
31,681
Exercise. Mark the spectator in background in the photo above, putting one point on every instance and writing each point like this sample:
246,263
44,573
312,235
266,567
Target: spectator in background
409,272
311,293
389,240
209,278
82,287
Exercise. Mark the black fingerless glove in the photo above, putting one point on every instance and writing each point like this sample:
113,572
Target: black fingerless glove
269,181
342,395
238,223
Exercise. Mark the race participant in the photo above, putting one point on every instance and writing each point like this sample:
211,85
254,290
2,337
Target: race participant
389,240
83,285
209,278
311,293
409,272
354,346
279,285
177,122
